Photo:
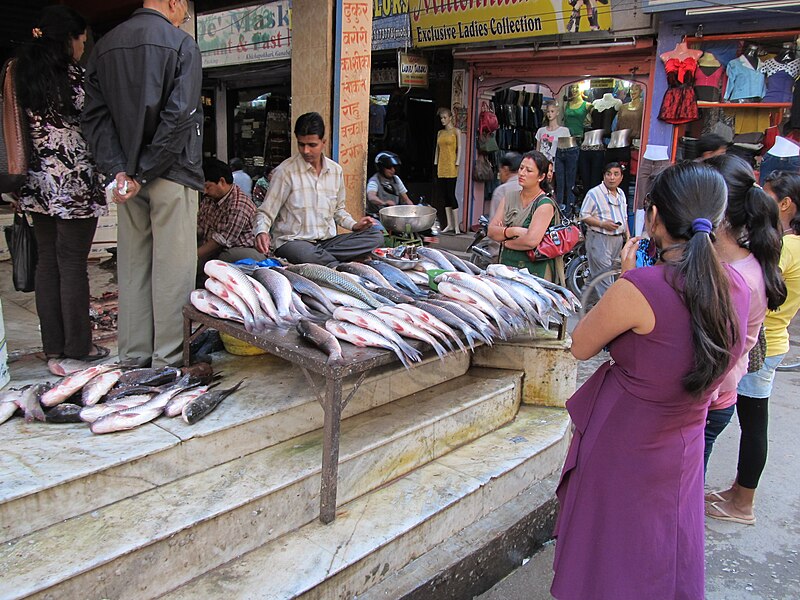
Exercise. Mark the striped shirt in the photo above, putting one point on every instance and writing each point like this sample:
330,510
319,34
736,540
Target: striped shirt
228,221
301,205
602,204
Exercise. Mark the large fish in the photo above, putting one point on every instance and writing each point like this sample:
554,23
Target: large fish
471,315
29,402
470,282
368,320
423,315
395,296
72,383
330,278
365,272
363,338
522,276
65,412
128,418
453,320
306,287
419,323
237,303
419,278
475,300
409,330
238,283
321,338
181,399
91,413
559,289
266,302
436,257
343,299
461,265
203,405
99,386
279,288
396,278
213,305
150,376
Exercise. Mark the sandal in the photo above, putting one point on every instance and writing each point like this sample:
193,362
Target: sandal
99,353
715,511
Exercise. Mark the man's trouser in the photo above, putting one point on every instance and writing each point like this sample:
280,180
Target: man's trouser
602,251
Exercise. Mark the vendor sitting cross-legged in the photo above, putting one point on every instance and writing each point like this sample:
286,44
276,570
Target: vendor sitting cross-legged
225,218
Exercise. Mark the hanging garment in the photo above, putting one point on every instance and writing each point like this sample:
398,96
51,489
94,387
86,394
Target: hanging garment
680,104
744,81
709,83
604,119
750,119
780,79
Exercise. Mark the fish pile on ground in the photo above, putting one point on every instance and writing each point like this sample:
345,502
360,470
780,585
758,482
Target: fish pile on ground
111,397
376,304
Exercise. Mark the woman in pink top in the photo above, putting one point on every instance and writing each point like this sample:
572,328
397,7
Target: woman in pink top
751,244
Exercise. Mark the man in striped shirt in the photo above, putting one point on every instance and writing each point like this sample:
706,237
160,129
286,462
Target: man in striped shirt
306,201
605,213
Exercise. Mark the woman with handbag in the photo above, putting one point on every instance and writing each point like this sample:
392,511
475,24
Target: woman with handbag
63,192
770,214
521,219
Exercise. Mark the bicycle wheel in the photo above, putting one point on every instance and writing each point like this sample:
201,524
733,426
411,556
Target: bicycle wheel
589,296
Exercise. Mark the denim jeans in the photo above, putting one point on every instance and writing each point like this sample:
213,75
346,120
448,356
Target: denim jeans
566,168
716,422
778,163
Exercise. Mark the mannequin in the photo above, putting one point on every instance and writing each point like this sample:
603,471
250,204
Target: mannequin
746,82
788,54
605,110
781,74
576,110
681,52
708,60
564,162
751,54
680,103
630,115
447,158
547,136
592,158
708,78
783,156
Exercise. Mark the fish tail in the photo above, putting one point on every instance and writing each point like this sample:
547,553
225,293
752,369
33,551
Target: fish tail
401,356
409,350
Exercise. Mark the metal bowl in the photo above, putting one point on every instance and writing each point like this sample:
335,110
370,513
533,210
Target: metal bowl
407,219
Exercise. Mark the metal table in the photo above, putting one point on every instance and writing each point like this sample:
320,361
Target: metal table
287,344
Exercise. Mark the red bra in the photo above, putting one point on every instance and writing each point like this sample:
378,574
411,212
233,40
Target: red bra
681,67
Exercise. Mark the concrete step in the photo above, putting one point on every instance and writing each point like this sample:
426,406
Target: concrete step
54,472
144,545
383,532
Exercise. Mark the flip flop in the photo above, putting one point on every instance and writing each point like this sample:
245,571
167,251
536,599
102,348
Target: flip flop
723,515
716,495
100,352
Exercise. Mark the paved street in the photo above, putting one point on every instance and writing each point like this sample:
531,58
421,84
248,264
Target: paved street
760,562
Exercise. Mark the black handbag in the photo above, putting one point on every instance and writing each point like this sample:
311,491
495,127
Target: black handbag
22,247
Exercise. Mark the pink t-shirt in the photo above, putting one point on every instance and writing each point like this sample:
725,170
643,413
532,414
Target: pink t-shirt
751,272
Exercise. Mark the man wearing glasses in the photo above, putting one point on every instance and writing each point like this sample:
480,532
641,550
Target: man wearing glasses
143,119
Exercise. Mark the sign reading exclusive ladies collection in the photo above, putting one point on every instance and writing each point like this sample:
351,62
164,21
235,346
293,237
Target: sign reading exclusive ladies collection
447,22
244,35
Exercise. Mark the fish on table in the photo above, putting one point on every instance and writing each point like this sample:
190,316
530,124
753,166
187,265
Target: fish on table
213,305
330,278
305,287
321,338
409,330
368,320
239,285
279,289
363,338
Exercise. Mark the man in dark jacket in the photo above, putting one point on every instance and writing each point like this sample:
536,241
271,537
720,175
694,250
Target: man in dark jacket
143,119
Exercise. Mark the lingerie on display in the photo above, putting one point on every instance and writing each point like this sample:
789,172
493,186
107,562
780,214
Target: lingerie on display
709,83
680,104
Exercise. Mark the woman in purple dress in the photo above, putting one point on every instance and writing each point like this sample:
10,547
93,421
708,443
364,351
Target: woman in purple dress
631,494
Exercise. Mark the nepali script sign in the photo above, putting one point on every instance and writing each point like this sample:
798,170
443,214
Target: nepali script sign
450,22
244,35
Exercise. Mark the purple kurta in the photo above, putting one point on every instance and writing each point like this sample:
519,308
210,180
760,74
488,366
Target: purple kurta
630,524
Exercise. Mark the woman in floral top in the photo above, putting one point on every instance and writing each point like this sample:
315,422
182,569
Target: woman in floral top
64,192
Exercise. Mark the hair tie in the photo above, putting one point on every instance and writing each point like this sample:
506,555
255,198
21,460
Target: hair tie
702,226
36,33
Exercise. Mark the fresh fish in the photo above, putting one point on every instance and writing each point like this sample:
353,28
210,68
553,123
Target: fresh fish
67,366
279,288
321,338
312,304
299,309
559,289
522,276
453,321
368,320
201,373
365,272
128,418
91,413
161,399
475,318
65,412
149,376
237,283
181,399
236,303
362,337
409,330
396,278
8,406
29,402
437,258
534,307
474,299
459,263
266,302
330,278
118,393
417,322
306,287
213,305
470,282
343,299
382,299
357,279
393,295
419,278
423,266
506,297
202,406
425,316
72,383
99,386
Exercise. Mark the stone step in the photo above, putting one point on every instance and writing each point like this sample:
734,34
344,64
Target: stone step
142,546
54,472
381,533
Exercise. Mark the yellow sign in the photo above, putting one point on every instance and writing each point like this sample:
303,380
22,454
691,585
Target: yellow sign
413,70
450,22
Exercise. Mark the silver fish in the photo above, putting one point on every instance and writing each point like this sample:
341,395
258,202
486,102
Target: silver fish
91,413
397,278
367,320
279,288
330,278
425,316
436,257
306,287
266,302
409,330
480,325
29,402
419,323
470,282
452,320
362,337
239,305
344,299
213,305
99,386
321,338
365,272
128,418
474,299
203,405
460,264
237,283
392,294
72,383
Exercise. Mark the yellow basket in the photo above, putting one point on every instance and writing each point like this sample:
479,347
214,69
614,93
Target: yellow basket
238,347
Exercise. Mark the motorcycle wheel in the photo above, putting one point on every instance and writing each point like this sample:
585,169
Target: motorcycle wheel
578,274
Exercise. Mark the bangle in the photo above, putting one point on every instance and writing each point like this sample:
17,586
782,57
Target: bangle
505,236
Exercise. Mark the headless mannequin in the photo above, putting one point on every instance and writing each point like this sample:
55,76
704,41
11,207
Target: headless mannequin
708,60
448,173
681,52
630,116
788,54
752,55
606,102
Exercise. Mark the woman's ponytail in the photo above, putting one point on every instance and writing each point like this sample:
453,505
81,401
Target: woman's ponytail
764,241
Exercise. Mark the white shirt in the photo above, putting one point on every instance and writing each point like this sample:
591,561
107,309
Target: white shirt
602,204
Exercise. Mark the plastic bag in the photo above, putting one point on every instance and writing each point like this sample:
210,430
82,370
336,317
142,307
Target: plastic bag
22,247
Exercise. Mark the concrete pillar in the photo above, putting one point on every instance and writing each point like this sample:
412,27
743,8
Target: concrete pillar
312,60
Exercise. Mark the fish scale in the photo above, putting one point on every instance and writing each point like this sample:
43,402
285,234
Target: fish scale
333,279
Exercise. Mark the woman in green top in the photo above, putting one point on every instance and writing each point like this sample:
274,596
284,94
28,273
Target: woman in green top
523,216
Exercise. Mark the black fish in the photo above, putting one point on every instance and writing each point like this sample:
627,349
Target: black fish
394,295
64,413
150,376
203,405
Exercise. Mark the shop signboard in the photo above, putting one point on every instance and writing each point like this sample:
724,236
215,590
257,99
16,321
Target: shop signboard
718,7
390,28
450,22
412,69
243,35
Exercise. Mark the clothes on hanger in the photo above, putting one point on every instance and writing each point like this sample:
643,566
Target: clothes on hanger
680,104
780,79
745,82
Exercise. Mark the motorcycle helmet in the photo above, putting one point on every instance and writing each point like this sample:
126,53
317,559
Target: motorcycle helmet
387,160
